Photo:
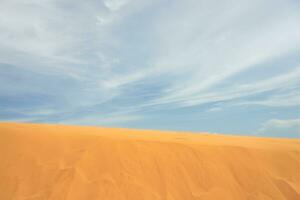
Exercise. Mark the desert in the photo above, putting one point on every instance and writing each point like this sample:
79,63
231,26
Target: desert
59,162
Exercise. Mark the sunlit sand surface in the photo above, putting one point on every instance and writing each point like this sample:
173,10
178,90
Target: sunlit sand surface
55,162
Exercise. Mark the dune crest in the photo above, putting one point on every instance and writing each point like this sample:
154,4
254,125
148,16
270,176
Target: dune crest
55,162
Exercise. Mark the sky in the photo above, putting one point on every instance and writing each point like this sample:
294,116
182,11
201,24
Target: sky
230,66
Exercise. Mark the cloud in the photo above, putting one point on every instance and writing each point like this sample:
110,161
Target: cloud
281,128
90,60
44,44
222,48
215,109
115,5
285,99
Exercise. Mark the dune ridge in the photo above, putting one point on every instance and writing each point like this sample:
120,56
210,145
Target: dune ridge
56,162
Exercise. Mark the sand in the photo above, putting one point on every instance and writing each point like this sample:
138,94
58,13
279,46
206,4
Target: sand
55,162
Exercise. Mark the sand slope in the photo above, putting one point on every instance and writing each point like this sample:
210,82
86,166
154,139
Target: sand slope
51,162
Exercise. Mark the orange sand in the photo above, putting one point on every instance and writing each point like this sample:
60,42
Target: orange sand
54,162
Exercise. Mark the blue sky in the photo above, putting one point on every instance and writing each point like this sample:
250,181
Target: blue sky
216,66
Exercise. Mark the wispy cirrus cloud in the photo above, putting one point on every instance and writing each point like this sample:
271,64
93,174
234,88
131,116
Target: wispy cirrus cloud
101,59
281,128
223,49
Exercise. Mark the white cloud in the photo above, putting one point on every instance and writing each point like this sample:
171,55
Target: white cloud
59,39
281,128
198,55
279,100
33,35
104,20
215,109
104,49
207,52
282,82
115,5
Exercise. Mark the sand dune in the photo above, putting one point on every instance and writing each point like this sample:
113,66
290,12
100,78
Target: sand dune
53,162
